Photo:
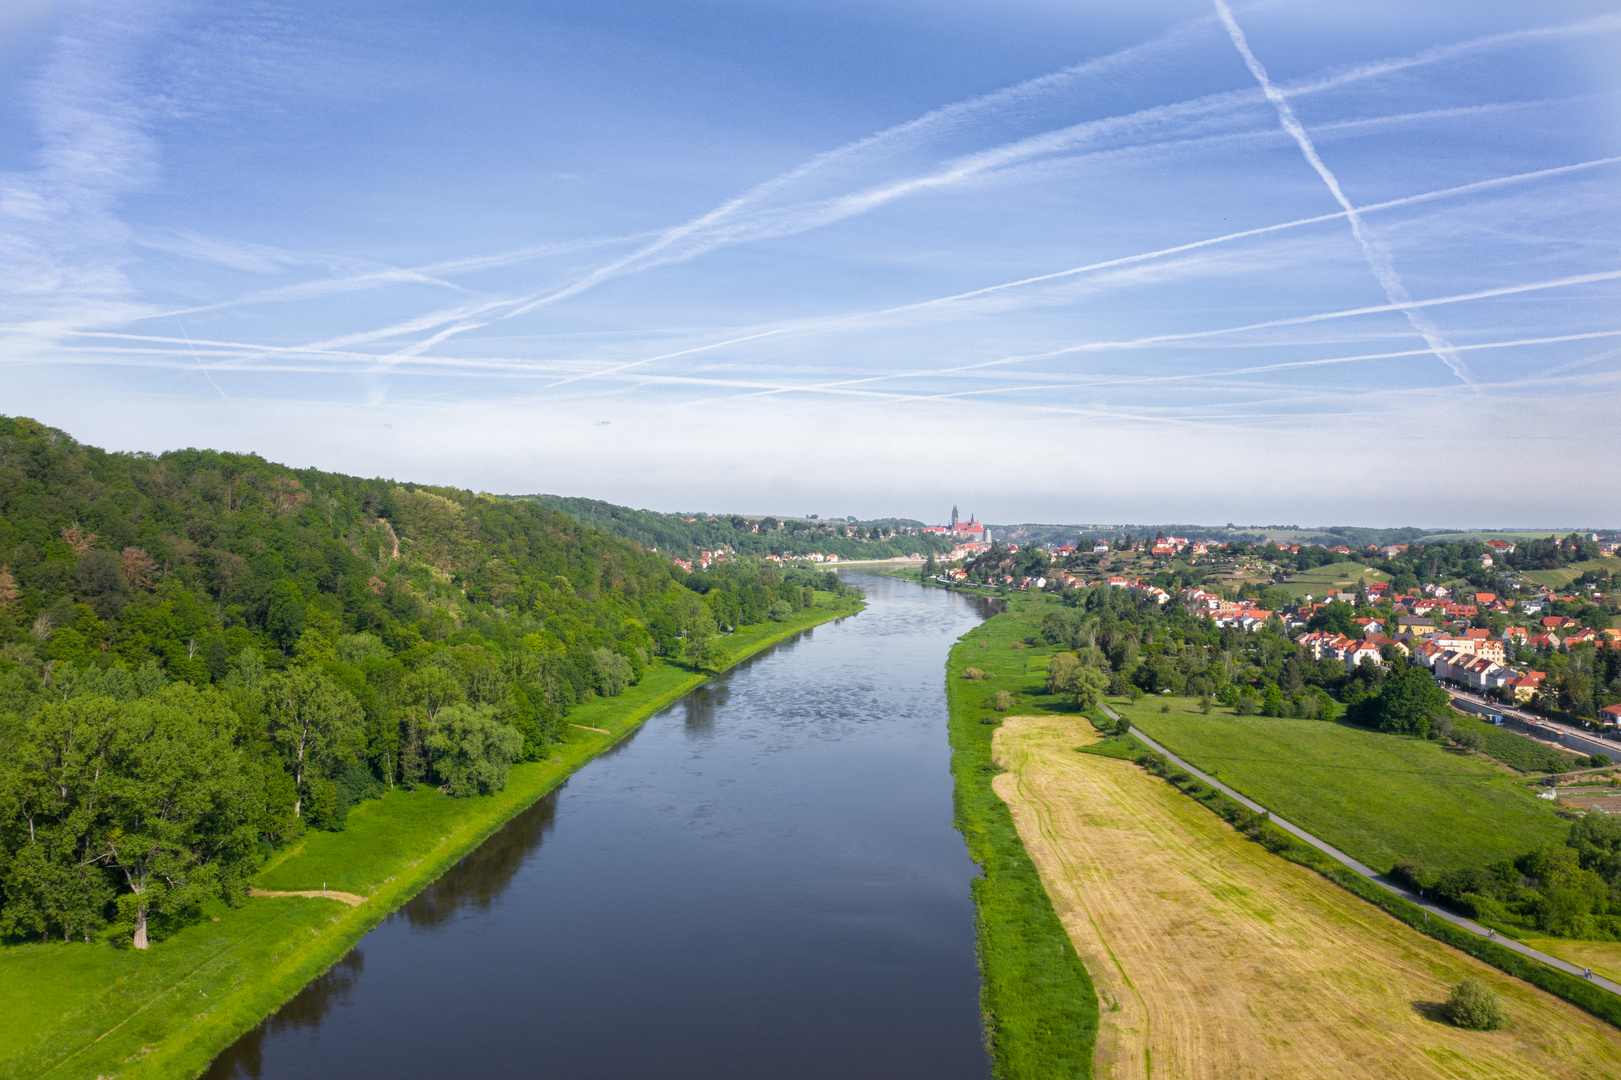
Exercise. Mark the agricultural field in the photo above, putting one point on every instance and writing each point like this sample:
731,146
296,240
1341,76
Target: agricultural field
1214,958
1510,535
1558,579
1320,580
1380,798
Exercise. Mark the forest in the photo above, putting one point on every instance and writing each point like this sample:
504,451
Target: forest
204,654
686,535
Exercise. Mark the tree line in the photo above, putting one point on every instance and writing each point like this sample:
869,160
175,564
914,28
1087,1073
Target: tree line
203,655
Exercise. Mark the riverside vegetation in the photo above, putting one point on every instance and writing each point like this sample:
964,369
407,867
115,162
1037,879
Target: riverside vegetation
1383,780
217,673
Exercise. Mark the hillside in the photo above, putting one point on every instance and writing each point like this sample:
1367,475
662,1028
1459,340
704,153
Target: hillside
214,653
686,535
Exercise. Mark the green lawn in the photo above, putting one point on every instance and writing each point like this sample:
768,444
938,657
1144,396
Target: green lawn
92,1010
1041,1011
1379,798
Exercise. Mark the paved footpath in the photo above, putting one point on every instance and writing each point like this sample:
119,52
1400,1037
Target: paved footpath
1378,879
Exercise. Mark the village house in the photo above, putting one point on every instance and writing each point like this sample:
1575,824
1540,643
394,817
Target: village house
1414,624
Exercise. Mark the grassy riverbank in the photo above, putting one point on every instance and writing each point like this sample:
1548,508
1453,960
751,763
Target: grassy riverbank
1041,1011
103,1010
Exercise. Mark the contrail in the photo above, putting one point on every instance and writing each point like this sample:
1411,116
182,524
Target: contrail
1379,261
1122,381
837,321
1193,335
749,216
200,366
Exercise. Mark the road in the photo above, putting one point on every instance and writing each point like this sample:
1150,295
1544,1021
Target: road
1539,727
1367,872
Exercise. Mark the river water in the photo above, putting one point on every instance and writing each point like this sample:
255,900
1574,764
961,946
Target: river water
762,881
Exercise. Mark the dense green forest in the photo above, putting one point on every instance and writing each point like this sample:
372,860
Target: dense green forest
204,654
685,535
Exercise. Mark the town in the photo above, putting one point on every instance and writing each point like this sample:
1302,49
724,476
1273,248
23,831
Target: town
1517,622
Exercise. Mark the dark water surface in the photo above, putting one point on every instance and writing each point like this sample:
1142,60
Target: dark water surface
761,882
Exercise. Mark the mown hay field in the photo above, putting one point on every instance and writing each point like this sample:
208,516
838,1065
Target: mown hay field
1213,958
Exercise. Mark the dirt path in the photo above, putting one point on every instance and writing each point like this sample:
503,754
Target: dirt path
588,727
314,894
1214,958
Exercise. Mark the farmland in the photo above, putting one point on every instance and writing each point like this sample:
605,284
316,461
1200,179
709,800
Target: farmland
1381,798
1214,958
1321,580
1558,579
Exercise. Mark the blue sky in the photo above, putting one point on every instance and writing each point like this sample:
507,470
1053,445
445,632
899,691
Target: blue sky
1280,262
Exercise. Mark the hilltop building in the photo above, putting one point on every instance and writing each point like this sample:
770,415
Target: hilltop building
972,529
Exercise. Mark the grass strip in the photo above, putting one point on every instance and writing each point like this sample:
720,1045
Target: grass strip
103,1010
1039,1004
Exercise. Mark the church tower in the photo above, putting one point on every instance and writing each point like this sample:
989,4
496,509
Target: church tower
953,517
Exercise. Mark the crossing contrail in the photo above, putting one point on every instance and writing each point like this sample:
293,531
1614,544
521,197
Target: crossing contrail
1378,259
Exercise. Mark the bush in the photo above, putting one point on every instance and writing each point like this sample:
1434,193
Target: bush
1002,701
974,673
1408,874
1474,1005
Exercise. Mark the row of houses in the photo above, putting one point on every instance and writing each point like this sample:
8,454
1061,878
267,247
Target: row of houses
1324,645
1479,672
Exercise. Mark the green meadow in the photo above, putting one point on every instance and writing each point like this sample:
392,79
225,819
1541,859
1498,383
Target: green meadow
1380,798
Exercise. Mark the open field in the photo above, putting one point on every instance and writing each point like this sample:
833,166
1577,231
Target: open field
1380,798
1213,958
1503,534
91,1010
1320,580
1558,579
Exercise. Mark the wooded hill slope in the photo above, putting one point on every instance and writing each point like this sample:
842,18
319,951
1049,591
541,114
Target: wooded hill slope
686,535
203,654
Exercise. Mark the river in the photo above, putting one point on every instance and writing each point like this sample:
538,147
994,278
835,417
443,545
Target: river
762,881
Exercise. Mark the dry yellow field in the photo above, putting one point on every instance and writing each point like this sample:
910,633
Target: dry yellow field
1215,959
